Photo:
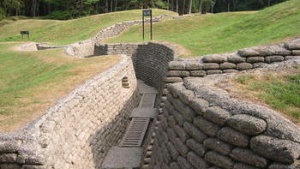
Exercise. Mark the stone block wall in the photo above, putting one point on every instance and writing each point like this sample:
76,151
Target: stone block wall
86,48
150,60
241,60
203,127
78,131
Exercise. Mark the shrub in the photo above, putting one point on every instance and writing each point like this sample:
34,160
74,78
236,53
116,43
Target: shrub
60,15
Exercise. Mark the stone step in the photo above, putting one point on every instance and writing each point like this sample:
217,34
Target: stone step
144,112
123,157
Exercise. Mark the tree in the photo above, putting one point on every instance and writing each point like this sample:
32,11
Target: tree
190,6
206,5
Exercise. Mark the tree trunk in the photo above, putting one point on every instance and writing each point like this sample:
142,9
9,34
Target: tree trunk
172,5
33,8
177,6
106,6
116,5
183,7
191,6
111,5
228,6
200,6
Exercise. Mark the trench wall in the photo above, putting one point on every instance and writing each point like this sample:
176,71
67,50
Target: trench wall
150,60
201,126
79,130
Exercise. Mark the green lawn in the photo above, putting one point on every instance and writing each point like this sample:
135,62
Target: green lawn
225,32
32,81
66,32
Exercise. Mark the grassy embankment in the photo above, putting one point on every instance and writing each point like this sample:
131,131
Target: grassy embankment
66,32
225,32
32,81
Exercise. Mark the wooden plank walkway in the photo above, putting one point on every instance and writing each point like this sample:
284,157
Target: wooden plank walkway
129,153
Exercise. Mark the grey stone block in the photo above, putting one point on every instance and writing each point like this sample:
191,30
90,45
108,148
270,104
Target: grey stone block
199,105
243,166
233,137
198,73
179,118
217,145
9,147
186,111
270,59
172,135
33,167
283,151
255,59
292,57
194,65
183,163
227,65
230,71
206,127
171,121
212,72
296,52
10,166
173,79
194,132
211,66
293,44
248,52
176,65
247,124
181,133
284,166
219,160
174,165
173,73
217,115
196,147
248,157
186,96
123,157
236,59
215,58
8,158
244,66
173,151
196,161
181,147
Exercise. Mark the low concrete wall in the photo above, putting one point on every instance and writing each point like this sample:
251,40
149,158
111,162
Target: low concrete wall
79,130
203,127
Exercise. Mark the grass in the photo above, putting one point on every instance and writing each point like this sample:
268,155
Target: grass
66,32
30,82
225,32
279,90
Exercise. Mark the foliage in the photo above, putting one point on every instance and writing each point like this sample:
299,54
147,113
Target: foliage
78,8
60,15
